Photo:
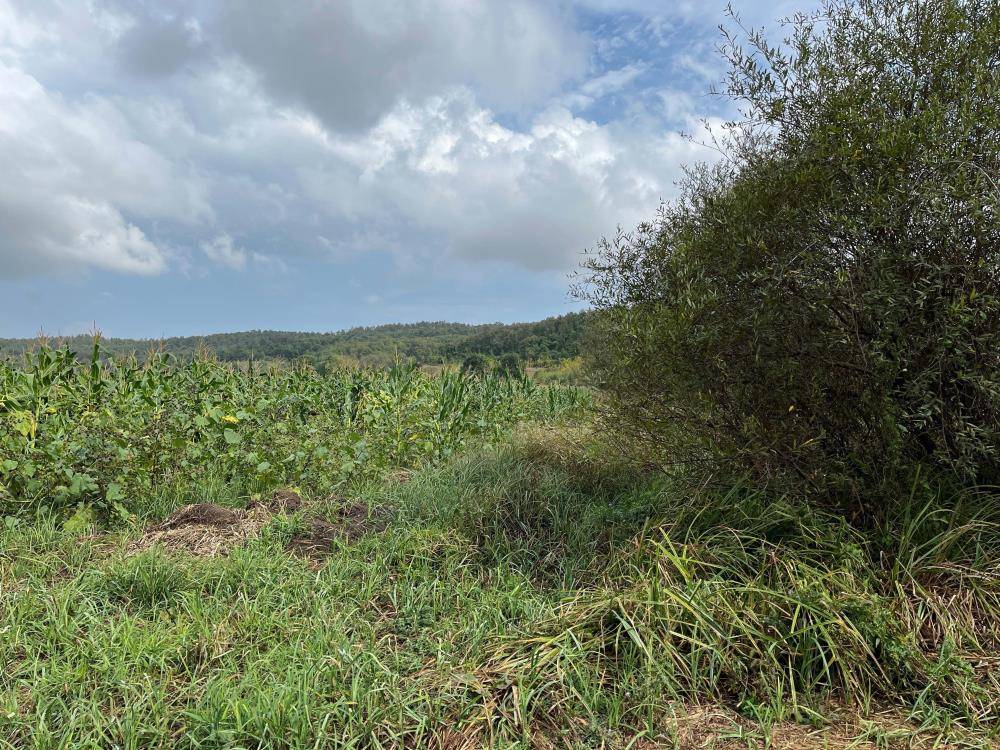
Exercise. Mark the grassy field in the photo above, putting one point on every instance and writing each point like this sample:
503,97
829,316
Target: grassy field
506,582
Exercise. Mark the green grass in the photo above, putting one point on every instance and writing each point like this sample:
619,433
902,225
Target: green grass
534,594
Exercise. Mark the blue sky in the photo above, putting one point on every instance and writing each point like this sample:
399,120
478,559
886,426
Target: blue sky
225,166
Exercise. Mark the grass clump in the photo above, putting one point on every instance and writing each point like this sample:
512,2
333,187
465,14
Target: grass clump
769,606
150,579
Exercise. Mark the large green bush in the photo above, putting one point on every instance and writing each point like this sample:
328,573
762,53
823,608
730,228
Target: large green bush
822,306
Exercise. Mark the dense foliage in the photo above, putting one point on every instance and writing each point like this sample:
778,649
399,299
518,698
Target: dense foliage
822,307
376,346
108,431
509,366
547,340
475,364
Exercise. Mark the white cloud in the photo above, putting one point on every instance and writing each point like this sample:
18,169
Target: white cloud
222,251
45,233
351,61
431,130
72,172
612,81
600,86
448,170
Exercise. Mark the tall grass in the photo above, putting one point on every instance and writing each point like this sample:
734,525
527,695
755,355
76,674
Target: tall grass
769,606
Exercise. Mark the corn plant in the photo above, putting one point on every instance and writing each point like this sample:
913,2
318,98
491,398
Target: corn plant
105,432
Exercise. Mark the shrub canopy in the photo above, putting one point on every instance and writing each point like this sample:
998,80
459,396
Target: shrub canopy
509,365
822,306
475,364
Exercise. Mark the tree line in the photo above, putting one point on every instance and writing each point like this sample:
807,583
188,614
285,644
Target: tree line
545,341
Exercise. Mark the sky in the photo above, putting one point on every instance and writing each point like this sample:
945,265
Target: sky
216,165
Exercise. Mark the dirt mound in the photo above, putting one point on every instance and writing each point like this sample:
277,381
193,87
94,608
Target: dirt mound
200,514
350,522
207,529
316,540
204,529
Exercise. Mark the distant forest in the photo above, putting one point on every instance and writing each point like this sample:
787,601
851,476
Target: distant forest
542,342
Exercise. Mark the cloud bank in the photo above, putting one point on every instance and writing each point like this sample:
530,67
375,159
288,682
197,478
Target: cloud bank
144,138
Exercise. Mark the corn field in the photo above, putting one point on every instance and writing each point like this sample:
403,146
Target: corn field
104,432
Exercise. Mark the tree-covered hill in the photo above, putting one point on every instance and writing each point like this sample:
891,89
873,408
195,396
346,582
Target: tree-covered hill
547,340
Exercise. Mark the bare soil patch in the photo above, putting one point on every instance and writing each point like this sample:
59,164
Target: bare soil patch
209,530
350,522
204,529
201,514
282,501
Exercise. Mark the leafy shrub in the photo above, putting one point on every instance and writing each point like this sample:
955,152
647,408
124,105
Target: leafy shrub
474,364
822,307
509,366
